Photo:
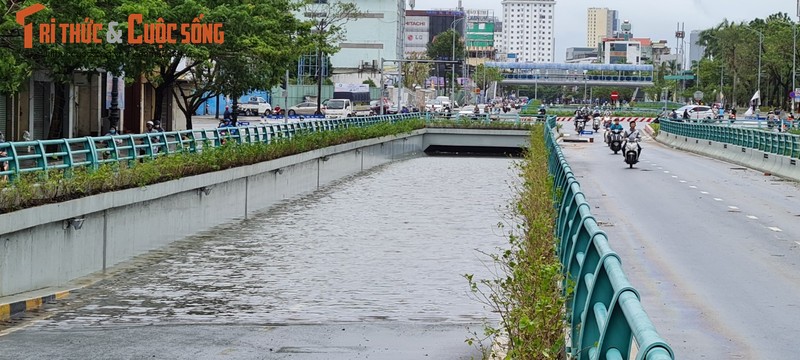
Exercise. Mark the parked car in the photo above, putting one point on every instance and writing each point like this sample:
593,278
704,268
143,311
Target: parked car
697,112
306,108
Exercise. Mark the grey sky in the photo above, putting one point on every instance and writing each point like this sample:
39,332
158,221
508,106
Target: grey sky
656,19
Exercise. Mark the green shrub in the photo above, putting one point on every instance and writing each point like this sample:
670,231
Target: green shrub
527,294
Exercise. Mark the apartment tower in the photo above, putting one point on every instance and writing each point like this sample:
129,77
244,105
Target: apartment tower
528,27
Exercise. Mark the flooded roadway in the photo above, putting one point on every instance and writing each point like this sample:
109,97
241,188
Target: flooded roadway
368,267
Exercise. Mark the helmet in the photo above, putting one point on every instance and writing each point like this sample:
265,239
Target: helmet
150,123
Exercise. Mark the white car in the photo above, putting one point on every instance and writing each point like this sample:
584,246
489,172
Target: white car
469,110
696,112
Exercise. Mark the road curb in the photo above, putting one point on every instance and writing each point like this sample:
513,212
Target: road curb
14,309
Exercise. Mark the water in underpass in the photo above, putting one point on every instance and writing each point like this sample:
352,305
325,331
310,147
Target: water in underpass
390,244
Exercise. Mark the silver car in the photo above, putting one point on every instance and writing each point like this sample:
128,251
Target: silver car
305,108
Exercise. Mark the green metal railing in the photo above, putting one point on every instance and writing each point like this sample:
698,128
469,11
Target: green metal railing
92,152
603,309
503,117
771,142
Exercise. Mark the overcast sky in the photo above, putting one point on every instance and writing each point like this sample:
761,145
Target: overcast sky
656,19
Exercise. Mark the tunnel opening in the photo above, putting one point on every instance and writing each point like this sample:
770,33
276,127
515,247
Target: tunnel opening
443,150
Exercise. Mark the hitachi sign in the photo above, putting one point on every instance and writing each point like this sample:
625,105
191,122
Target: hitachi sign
416,23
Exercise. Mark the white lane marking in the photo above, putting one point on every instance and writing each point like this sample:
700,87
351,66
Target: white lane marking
674,176
797,242
693,187
655,164
774,229
752,217
704,192
660,168
683,181
666,171
717,199
733,207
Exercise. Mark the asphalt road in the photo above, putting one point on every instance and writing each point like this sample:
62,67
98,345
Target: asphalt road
712,248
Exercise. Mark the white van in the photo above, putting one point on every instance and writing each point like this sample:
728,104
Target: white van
338,108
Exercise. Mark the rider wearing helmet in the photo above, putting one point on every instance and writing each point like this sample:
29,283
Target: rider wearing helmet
633,135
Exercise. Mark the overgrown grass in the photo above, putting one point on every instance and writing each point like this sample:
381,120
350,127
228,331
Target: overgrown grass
656,128
39,188
526,293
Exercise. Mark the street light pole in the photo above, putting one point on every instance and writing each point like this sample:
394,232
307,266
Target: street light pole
760,45
453,58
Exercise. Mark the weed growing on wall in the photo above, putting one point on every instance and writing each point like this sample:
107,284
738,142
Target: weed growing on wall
656,128
526,292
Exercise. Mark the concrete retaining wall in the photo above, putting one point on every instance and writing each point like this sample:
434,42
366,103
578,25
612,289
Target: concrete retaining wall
36,251
779,165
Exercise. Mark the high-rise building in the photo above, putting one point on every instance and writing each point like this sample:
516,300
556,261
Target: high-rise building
528,27
696,51
614,21
600,23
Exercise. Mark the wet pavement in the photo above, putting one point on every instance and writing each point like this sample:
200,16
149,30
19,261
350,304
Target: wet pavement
368,267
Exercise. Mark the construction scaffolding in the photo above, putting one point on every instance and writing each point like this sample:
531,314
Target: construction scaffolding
307,69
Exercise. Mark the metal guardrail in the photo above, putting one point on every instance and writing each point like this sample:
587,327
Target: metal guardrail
517,118
604,311
92,152
775,143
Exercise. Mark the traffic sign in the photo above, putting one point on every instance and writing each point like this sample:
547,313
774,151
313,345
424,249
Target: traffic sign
614,95
698,95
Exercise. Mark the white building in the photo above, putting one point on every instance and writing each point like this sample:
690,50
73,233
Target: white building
600,24
622,52
376,34
528,27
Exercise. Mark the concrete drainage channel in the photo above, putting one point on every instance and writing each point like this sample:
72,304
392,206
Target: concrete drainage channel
38,272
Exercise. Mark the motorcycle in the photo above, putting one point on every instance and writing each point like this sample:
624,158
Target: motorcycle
615,141
631,153
596,123
580,124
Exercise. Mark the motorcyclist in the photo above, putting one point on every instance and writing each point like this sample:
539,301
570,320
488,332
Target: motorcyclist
633,134
615,126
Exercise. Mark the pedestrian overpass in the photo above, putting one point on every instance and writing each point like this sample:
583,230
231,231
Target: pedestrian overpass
617,75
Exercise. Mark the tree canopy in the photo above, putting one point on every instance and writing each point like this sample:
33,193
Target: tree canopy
732,52
448,45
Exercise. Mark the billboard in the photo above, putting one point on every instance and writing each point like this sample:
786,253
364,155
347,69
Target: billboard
417,34
342,87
